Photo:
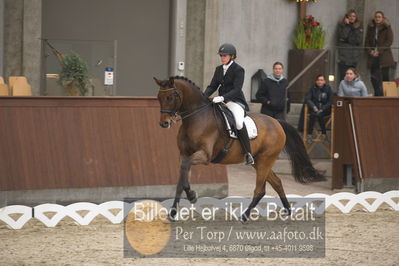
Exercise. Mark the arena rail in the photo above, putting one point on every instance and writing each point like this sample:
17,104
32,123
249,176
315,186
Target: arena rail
92,210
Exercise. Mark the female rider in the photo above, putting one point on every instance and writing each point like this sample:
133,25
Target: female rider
228,80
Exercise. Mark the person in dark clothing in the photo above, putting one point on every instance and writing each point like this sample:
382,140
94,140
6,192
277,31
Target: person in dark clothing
228,80
379,38
273,92
350,37
319,100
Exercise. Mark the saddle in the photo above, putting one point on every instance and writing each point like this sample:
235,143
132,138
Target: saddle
230,123
231,128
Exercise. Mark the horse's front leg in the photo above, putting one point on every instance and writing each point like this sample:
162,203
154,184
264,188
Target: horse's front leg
198,157
181,184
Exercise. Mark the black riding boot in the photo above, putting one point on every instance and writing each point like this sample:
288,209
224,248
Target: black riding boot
244,140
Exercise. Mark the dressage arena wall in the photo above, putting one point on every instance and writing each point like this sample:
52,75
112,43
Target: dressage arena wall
344,202
68,149
366,137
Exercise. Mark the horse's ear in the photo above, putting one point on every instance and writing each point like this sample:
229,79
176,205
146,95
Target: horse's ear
171,82
157,81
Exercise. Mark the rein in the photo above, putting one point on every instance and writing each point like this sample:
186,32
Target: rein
183,115
195,111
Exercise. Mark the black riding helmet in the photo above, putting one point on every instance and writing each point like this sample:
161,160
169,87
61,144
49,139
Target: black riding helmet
227,49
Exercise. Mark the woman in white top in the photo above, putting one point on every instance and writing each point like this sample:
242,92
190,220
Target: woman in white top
351,85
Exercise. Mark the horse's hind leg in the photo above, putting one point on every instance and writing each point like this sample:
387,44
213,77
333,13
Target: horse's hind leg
263,167
275,182
265,173
259,192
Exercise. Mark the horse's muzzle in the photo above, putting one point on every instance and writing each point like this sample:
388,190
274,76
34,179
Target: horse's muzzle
164,124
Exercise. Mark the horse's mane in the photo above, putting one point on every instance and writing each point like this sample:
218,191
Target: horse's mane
187,80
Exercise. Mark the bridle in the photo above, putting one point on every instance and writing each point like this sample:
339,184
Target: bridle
174,112
177,97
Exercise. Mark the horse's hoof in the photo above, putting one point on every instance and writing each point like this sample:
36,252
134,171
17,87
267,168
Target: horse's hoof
243,219
172,220
172,215
194,200
192,197
287,213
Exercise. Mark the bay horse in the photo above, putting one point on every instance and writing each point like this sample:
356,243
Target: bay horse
202,136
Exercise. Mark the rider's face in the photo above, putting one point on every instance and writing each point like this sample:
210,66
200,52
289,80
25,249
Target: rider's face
225,58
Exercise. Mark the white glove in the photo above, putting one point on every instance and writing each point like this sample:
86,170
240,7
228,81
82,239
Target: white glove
218,99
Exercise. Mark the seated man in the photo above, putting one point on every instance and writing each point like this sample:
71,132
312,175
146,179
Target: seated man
319,100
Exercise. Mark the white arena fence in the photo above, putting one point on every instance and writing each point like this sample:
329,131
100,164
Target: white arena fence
92,210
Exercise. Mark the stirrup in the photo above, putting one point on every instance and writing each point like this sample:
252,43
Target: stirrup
249,158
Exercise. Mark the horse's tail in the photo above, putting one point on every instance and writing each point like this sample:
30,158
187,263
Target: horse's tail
302,167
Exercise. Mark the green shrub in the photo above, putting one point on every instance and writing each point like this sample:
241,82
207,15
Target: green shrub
74,75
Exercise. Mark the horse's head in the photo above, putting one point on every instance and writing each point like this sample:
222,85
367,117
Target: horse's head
170,99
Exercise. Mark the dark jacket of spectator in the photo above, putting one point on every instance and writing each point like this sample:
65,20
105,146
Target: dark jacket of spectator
272,94
321,98
349,35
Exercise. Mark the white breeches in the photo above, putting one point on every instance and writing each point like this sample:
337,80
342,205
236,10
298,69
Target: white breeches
238,113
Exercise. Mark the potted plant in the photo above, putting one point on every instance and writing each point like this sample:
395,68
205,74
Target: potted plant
309,34
309,41
74,75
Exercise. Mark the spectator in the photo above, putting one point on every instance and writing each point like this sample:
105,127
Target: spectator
379,38
352,85
350,34
272,93
319,100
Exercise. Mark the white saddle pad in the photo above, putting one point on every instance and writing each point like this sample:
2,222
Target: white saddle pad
251,127
249,124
